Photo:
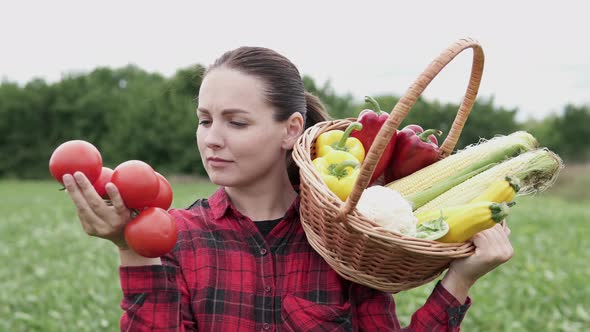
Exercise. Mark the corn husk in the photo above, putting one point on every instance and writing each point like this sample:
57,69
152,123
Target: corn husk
536,170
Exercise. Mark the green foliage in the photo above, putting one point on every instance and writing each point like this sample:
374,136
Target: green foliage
543,287
129,113
567,134
339,107
56,278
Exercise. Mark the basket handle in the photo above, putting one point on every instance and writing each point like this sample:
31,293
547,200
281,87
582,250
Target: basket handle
402,108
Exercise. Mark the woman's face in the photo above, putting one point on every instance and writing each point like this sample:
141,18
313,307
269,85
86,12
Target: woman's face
238,139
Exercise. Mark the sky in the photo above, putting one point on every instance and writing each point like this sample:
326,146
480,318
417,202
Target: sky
537,52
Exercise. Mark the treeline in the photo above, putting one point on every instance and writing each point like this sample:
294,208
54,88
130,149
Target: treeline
129,113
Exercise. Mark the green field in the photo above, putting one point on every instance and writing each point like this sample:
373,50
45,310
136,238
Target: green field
55,278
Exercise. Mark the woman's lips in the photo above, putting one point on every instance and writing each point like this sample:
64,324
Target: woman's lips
218,162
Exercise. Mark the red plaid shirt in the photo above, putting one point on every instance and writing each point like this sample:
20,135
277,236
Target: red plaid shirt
224,276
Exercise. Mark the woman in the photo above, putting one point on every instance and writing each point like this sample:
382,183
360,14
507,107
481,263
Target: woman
242,261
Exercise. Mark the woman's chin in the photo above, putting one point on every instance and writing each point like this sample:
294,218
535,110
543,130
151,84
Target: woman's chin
221,181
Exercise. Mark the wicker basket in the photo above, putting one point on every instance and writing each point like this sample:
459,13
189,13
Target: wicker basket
354,246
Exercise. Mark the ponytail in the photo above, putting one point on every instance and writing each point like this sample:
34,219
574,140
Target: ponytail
316,112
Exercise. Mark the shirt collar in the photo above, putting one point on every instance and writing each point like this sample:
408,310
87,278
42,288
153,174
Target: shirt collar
220,204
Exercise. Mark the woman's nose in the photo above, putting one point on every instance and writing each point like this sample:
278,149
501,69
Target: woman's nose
214,137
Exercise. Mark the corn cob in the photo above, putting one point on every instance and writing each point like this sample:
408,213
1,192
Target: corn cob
467,220
420,198
536,170
500,191
472,158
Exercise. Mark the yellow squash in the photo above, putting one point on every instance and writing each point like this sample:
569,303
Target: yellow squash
468,219
500,191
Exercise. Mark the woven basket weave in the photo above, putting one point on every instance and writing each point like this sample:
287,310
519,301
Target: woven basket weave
354,246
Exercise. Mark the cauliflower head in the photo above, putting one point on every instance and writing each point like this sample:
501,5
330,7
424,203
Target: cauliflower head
387,208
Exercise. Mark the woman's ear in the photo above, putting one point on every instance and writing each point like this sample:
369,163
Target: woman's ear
293,129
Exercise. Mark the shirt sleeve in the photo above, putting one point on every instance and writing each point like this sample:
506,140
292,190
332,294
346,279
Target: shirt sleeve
441,312
375,311
156,298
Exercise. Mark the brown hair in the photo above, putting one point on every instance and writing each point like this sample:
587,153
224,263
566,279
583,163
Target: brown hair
284,89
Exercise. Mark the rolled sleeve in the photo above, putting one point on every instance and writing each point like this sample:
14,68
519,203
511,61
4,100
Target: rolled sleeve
441,312
141,279
151,298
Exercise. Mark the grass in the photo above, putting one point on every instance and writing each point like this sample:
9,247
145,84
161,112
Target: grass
55,278
544,286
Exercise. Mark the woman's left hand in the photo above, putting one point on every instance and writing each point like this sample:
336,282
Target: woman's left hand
492,248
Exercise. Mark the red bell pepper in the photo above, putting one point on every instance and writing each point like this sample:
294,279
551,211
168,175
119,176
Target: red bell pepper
372,121
415,149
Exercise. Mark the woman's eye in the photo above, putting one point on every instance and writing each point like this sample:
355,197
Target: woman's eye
204,122
238,124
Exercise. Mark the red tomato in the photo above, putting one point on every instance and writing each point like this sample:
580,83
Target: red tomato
164,198
103,179
137,182
74,156
152,233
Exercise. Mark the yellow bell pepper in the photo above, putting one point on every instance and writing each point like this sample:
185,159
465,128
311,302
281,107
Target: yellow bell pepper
341,140
468,219
339,170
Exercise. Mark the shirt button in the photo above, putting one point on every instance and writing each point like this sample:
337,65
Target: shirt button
263,251
267,289
266,326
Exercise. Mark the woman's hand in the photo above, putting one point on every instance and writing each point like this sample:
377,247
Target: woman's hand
97,218
492,248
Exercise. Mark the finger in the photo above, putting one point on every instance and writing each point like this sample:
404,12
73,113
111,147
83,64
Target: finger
95,202
489,233
502,233
85,214
76,195
117,200
497,234
487,238
506,228
501,247
481,240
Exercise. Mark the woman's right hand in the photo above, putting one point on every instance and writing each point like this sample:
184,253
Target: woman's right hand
96,216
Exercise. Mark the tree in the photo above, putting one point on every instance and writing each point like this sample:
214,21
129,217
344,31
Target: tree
339,107
129,113
566,134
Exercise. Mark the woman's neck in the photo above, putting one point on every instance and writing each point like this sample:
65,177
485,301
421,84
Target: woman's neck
265,200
